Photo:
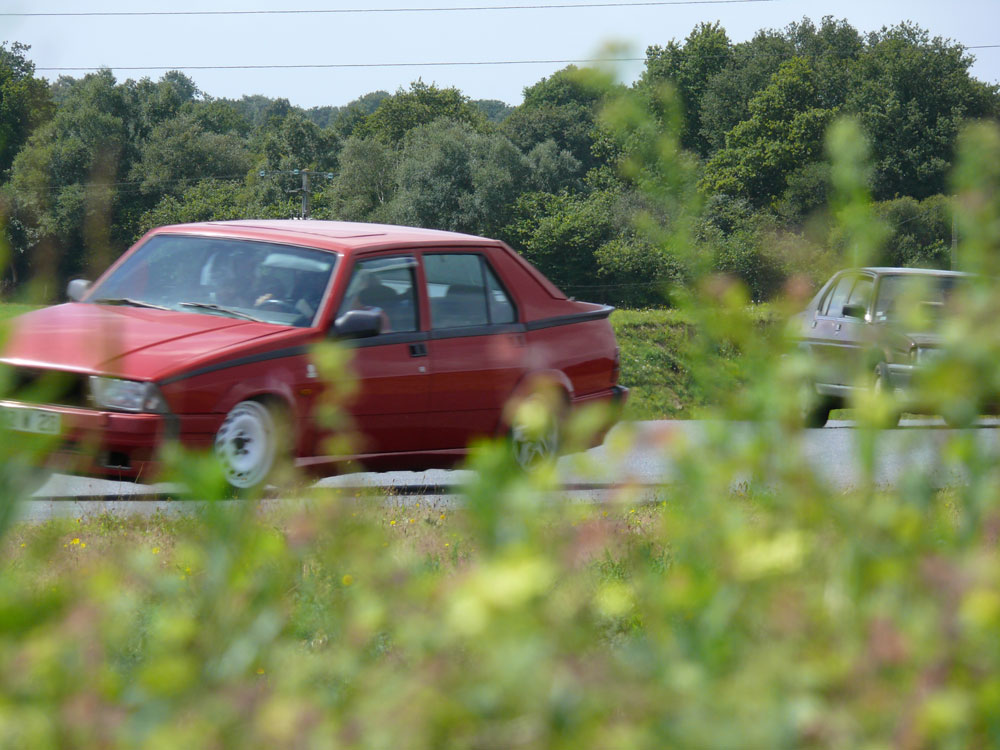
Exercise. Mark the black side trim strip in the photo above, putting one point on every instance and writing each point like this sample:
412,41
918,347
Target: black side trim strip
294,351
567,320
487,330
385,339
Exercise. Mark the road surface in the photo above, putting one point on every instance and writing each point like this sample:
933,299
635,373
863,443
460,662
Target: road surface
637,454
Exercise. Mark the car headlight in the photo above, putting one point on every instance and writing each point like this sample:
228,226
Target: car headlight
126,395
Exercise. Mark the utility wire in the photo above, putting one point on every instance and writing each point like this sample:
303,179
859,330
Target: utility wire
345,65
328,11
439,64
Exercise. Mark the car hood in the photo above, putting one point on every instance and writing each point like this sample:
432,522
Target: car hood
132,342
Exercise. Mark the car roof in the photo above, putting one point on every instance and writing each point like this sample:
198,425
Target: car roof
884,270
340,236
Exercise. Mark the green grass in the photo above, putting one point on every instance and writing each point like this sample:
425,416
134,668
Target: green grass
656,352
12,309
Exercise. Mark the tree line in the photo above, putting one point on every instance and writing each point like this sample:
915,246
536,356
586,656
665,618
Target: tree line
89,164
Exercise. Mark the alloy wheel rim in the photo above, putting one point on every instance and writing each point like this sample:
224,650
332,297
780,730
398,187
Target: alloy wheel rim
245,444
531,449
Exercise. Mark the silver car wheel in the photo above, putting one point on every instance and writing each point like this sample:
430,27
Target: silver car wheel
246,444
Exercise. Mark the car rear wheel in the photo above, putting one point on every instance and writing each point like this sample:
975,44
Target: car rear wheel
246,444
536,429
816,413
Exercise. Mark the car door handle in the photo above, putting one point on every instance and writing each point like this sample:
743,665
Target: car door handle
418,350
838,326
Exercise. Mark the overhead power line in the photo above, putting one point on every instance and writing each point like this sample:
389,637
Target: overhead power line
345,65
306,11
439,64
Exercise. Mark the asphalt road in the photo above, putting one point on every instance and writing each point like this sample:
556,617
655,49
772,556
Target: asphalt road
637,454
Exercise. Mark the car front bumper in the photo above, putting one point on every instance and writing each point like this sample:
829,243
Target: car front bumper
108,444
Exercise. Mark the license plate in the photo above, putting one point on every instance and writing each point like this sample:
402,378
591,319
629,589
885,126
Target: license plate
31,420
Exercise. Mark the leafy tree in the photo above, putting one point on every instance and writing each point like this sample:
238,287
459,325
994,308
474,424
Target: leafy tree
73,187
918,232
705,52
912,94
208,200
749,253
294,142
830,49
24,101
350,116
786,130
560,233
180,151
494,110
553,169
452,177
562,108
220,116
259,109
400,113
365,181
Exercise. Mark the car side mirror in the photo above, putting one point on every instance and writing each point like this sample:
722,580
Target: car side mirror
854,311
77,289
358,324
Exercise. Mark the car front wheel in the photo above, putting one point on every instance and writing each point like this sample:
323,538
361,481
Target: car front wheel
880,385
246,444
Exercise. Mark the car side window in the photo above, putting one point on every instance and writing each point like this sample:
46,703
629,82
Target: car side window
387,284
456,289
838,297
862,292
501,308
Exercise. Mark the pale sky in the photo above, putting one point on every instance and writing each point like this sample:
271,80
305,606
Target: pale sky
547,34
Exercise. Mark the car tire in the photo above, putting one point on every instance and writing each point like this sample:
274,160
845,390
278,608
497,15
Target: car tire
247,444
880,385
817,412
535,441
957,420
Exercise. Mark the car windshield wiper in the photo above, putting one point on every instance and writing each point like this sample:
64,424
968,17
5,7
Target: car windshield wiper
221,309
128,301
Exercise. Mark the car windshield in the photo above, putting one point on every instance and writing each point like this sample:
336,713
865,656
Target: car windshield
234,278
921,300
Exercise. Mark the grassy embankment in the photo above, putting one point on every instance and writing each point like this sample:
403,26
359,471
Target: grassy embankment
10,309
657,350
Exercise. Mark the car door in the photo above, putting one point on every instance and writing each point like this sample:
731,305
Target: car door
477,347
823,335
390,405
855,335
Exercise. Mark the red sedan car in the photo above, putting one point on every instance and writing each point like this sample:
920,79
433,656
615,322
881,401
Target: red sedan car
205,333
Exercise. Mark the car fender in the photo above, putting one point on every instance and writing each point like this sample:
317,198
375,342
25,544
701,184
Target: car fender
537,381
